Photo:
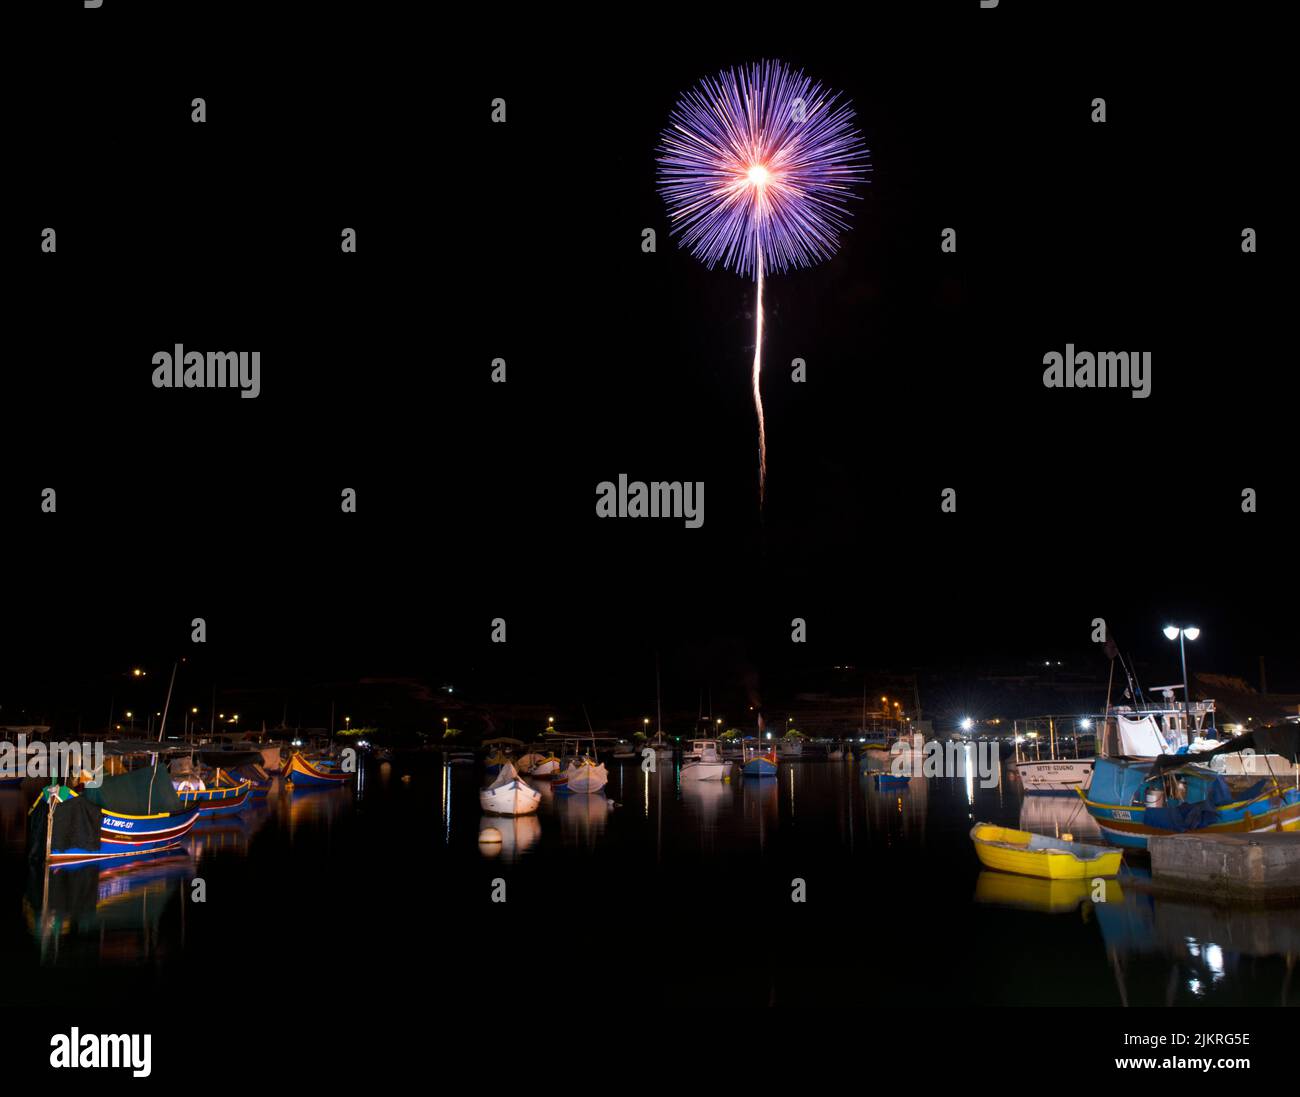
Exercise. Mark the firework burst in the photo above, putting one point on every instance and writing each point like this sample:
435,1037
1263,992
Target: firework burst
757,167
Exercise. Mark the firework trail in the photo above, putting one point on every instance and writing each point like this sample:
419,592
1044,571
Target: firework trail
757,165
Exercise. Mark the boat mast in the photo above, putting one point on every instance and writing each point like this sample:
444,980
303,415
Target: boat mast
167,703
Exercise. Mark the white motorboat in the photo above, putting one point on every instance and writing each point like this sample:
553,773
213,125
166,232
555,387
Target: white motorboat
584,776
706,762
509,794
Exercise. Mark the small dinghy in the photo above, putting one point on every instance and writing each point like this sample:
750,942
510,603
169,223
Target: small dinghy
508,794
890,780
1028,854
584,775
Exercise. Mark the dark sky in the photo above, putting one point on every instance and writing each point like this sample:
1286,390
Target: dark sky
522,241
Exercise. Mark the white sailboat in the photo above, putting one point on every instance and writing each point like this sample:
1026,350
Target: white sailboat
584,774
509,794
707,763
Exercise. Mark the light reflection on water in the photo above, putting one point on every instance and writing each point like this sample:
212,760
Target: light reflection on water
878,862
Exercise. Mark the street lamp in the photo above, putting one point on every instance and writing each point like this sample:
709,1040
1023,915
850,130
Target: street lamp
347,723
1173,632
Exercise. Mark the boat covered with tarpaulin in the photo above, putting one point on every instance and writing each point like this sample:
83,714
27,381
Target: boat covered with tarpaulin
125,816
1135,799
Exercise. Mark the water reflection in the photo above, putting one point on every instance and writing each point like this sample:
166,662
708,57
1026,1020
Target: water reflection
518,834
1057,815
1188,951
109,914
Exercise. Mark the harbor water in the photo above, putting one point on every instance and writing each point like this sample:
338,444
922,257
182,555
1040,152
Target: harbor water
815,887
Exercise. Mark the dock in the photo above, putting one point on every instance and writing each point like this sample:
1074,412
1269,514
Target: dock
1263,867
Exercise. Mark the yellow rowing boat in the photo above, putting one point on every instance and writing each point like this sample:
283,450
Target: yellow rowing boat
1037,855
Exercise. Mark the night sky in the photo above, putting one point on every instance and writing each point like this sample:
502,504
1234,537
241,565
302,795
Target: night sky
522,241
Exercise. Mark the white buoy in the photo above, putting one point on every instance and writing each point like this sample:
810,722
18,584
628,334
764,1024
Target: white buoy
489,835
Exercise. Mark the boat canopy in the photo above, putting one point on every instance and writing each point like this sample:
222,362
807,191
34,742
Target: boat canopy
1141,738
1116,782
1280,739
146,791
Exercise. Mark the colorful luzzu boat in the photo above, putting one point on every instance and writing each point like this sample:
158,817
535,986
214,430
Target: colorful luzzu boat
761,765
221,799
299,772
1118,799
254,774
69,828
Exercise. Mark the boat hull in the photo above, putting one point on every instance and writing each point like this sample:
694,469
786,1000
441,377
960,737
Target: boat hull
1027,854
760,767
585,778
124,836
223,800
299,771
1059,778
513,798
891,780
1126,826
706,771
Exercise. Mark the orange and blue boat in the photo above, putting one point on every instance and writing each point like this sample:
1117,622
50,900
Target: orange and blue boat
300,772
761,765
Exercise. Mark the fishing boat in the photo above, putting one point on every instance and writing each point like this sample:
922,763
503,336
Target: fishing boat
536,764
760,764
1054,775
299,772
220,799
259,779
129,815
584,776
509,794
497,756
706,762
1135,799
1027,854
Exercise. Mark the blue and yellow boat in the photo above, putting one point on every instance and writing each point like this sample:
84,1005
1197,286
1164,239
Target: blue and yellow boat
761,765
221,799
128,815
1134,800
